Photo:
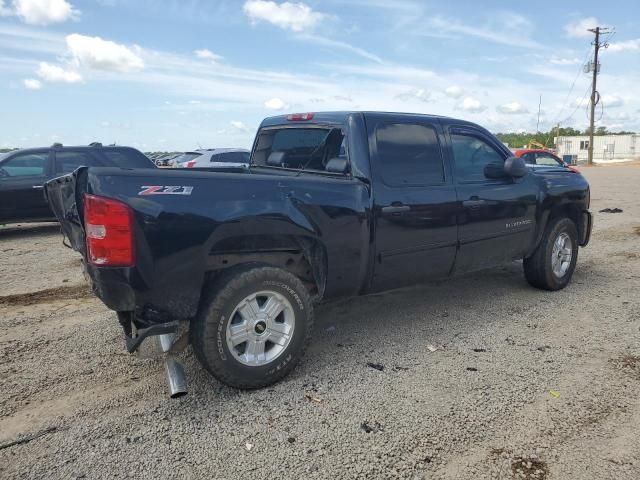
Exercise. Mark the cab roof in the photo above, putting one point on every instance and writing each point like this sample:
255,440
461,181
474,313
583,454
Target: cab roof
339,117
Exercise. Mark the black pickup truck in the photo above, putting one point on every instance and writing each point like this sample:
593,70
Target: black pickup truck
334,204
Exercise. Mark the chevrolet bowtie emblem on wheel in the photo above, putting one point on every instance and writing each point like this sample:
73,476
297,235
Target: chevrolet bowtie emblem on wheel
165,190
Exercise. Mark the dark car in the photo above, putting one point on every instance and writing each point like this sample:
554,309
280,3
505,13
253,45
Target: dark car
333,205
24,172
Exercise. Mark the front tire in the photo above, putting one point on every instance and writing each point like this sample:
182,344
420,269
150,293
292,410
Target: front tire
552,264
253,326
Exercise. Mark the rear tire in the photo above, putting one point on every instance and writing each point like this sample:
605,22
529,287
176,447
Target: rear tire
253,326
552,264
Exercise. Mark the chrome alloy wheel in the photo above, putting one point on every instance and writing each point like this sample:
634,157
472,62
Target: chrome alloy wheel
261,328
561,255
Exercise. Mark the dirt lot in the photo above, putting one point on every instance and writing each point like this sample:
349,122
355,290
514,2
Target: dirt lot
524,384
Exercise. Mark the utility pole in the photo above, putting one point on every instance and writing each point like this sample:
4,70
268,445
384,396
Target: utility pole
538,122
595,96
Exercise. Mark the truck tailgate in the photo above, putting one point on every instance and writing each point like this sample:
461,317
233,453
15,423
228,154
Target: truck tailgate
65,195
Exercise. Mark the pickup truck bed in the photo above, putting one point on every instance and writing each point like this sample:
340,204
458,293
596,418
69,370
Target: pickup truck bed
338,204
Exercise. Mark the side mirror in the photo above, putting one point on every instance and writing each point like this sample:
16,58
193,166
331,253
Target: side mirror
337,165
515,167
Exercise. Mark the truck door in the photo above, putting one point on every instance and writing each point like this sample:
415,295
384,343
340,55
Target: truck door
22,177
496,217
414,201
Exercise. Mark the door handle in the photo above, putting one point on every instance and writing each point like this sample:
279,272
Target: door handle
474,202
396,208
38,187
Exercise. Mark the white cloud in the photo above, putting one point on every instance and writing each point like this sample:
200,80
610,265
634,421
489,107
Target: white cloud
240,126
275,104
505,29
454,91
470,104
32,84
42,12
582,101
419,94
99,54
512,108
580,28
337,44
626,46
287,15
54,73
206,54
564,61
611,101
195,102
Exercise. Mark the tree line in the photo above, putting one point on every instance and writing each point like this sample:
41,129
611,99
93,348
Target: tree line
517,140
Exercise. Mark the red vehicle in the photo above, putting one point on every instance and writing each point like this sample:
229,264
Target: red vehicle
539,157
533,156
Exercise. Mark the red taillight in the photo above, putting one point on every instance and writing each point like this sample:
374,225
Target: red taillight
300,117
109,229
191,163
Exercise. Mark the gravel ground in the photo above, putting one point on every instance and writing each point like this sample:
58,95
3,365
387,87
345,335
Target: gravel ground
524,383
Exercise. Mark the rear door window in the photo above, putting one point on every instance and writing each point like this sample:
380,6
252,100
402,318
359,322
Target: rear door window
409,154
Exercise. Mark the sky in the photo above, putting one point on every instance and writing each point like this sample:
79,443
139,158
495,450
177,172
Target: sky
182,74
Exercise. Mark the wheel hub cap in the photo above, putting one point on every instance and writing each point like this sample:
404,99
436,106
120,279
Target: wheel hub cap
561,255
261,328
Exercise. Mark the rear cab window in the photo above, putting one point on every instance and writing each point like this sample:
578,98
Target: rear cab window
307,147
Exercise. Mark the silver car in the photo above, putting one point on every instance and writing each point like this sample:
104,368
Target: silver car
219,157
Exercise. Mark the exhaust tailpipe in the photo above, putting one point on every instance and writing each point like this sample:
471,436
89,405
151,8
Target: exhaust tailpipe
176,379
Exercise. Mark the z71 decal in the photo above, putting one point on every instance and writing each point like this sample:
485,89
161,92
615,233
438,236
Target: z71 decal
165,190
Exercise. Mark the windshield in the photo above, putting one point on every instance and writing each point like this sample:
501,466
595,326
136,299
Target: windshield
185,157
308,148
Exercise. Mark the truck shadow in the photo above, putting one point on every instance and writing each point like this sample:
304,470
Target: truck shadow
29,230
396,329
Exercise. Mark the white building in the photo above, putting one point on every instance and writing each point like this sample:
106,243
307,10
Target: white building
606,148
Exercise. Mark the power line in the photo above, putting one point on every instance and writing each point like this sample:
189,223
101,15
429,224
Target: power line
581,66
578,105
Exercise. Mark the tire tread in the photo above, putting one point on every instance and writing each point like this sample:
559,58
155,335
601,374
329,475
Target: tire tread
218,294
